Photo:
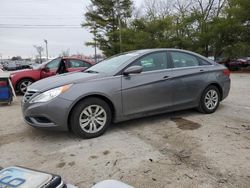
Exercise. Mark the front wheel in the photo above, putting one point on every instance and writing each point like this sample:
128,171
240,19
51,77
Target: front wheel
90,118
23,85
210,100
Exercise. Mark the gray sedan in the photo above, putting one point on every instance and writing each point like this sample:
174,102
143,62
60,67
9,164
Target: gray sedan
126,86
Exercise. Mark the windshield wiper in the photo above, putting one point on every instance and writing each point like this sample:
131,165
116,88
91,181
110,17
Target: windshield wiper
91,71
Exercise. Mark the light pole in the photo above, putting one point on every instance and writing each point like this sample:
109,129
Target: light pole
46,43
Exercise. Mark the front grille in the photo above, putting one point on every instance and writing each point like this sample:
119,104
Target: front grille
28,95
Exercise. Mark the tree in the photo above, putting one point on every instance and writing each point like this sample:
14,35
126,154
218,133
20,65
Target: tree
39,50
209,27
105,19
65,53
16,58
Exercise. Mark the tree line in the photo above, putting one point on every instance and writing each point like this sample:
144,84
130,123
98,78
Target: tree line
219,28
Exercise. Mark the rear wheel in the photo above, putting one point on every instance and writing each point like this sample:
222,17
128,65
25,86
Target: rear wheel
23,85
90,118
210,100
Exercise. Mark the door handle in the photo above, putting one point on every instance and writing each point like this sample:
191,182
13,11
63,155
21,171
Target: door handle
201,70
166,77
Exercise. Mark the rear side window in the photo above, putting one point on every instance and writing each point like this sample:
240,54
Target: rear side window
181,59
154,61
78,63
204,62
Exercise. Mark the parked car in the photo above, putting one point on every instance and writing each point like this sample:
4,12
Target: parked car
126,86
247,59
11,66
23,78
236,64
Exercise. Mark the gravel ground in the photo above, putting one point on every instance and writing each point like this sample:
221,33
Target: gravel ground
181,149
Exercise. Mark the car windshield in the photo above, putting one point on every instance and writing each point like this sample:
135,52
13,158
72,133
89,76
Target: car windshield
36,66
111,64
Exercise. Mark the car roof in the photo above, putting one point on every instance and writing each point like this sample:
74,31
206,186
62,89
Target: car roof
145,51
80,59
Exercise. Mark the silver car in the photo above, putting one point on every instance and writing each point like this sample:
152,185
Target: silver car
126,86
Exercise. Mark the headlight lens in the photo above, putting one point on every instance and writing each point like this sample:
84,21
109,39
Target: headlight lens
50,94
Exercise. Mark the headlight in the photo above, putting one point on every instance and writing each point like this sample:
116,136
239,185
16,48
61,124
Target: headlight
50,94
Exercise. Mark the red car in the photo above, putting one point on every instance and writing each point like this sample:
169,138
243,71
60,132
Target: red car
23,78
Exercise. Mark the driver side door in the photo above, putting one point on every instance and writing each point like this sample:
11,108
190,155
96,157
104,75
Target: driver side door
50,68
149,90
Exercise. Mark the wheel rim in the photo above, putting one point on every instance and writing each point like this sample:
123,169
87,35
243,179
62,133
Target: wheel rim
211,99
93,118
24,85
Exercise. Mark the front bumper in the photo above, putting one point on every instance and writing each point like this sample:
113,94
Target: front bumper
51,115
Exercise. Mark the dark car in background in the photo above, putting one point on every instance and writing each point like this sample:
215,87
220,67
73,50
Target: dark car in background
23,78
126,86
237,63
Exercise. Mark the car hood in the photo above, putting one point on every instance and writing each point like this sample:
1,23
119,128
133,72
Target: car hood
21,71
63,79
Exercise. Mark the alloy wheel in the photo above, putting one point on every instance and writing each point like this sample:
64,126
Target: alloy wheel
211,99
24,85
93,118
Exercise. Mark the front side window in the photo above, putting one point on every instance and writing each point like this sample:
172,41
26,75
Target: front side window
154,61
53,64
181,59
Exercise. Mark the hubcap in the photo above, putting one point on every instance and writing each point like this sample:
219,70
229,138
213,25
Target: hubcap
211,99
93,118
24,85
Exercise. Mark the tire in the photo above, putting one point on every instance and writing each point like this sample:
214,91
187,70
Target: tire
90,118
23,85
209,104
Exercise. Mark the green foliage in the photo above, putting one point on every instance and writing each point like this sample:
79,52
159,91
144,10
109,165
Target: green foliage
102,19
217,28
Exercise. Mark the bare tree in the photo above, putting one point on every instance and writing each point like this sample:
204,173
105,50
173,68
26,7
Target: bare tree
65,53
158,8
182,7
39,50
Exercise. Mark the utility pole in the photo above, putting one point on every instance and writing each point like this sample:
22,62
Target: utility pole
119,24
46,43
95,42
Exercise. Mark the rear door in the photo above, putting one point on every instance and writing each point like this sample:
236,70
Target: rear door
149,90
189,76
77,65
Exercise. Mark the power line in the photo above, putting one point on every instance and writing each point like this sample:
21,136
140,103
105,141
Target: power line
15,27
38,18
39,25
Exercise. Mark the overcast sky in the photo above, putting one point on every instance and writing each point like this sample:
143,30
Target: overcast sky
17,14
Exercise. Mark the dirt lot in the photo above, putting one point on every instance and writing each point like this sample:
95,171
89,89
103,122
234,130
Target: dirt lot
182,149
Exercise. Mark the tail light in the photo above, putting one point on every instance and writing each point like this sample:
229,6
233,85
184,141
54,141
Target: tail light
226,72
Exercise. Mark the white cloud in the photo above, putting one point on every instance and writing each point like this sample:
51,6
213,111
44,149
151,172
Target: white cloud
19,41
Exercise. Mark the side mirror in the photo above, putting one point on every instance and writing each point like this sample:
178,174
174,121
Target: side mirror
45,69
133,70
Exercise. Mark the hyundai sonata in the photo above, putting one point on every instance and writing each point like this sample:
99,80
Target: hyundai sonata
123,87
